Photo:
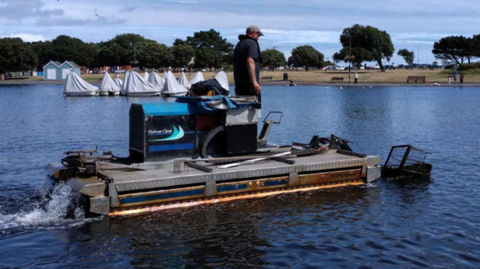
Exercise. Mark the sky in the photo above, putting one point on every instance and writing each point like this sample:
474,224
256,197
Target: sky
412,24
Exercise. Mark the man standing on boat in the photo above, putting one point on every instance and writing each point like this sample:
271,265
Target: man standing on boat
246,63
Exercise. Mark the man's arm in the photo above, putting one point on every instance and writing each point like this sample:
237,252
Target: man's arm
251,73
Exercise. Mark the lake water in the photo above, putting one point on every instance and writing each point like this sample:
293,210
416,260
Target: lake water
387,224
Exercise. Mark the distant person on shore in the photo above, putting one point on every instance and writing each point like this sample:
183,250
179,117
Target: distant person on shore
356,78
461,78
246,63
449,79
455,77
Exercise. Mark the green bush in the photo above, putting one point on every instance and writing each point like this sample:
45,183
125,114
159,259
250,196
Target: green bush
465,67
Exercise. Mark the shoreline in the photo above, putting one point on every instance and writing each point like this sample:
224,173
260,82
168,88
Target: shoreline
273,83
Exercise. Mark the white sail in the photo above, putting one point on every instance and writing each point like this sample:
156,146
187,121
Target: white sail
221,77
138,86
76,86
172,87
156,80
125,82
146,75
109,87
119,82
183,80
197,78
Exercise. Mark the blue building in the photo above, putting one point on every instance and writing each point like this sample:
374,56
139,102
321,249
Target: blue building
53,70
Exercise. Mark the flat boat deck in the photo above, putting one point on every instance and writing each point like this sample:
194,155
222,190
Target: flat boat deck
161,175
129,189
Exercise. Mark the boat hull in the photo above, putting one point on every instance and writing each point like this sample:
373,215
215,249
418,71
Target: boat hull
80,94
142,94
323,181
139,188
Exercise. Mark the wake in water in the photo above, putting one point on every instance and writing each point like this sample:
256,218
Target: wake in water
56,208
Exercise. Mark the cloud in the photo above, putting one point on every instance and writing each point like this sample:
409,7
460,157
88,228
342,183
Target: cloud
128,9
26,9
181,1
101,21
27,37
286,24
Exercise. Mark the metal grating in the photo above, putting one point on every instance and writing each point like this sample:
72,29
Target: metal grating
407,159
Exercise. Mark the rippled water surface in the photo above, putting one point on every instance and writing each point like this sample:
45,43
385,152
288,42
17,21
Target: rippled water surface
387,224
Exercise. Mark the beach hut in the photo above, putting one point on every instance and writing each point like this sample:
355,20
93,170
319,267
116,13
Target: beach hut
76,86
53,70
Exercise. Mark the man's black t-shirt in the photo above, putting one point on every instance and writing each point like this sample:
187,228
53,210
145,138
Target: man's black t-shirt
246,47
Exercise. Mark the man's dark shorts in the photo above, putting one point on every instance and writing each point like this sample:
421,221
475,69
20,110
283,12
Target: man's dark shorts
247,89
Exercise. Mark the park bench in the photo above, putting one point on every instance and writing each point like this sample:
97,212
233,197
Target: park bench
340,79
411,79
267,77
421,79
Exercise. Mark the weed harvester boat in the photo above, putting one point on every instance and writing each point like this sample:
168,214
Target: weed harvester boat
202,150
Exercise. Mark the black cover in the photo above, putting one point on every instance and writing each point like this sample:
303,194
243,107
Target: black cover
241,139
203,87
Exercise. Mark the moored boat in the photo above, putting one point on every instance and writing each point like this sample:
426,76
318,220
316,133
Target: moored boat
109,87
172,87
137,86
75,86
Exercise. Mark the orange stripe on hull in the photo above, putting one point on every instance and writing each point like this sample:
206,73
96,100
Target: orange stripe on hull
227,198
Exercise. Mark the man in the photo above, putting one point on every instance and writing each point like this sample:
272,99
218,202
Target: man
246,63
356,78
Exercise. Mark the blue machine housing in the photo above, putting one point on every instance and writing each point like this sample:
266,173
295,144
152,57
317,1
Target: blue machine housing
162,131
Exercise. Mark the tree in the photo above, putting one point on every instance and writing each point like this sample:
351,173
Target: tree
154,55
456,49
39,49
182,54
15,56
306,56
273,58
112,54
476,45
65,48
408,56
121,50
211,49
367,44
358,56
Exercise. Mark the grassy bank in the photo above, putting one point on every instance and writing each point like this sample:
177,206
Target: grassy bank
365,76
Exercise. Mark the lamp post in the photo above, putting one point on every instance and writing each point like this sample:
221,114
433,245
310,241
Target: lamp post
134,54
349,53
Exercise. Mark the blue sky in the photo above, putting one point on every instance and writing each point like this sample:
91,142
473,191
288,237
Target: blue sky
412,24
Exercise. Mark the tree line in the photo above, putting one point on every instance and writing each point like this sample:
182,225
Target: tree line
359,44
209,48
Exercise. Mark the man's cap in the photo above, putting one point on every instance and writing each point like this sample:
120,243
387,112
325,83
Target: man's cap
254,29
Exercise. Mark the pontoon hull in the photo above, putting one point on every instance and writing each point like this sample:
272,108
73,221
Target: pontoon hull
155,186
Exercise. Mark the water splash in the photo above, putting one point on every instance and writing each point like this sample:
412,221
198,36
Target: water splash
56,208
